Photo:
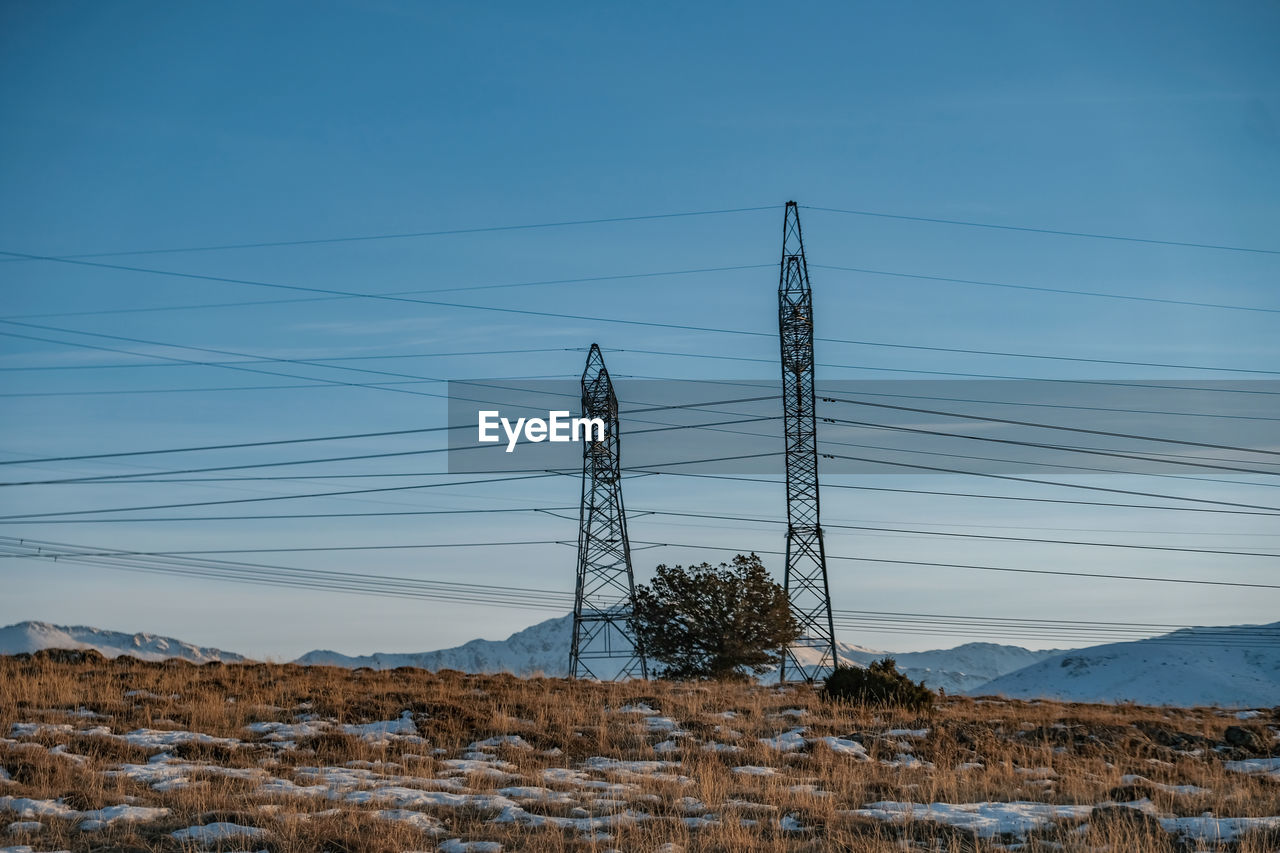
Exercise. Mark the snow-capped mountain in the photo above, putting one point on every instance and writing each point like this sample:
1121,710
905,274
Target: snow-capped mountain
544,649
1234,666
1230,666
34,636
958,670
539,649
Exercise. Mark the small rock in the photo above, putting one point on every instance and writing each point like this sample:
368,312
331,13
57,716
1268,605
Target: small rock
1242,737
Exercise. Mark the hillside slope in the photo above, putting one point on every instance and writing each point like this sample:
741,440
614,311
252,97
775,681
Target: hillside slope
1232,666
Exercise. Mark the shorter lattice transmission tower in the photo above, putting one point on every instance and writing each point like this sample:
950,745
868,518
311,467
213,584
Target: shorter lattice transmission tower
604,645
813,655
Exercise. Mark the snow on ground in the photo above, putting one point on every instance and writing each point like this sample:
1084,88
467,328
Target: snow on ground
846,747
590,797
1260,766
986,820
457,845
789,741
1178,790
212,833
88,821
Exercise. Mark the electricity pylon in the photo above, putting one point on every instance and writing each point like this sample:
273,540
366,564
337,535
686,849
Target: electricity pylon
813,655
606,585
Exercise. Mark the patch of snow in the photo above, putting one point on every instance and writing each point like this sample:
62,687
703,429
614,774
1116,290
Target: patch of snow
164,738
457,845
419,821
534,794
787,741
791,823
1260,766
91,819
661,724
846,747
101,818
514,741
374,731
212,833
907,761
986,820
713,746
1181,790
1216,829
273,731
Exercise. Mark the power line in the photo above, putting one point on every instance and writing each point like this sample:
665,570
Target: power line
412,234
988,419
1163,386
260,302
950,373
615,320
659,216
367,583
983,568
987,536
43,551
235,446
740,479
365,456
631,276
134,364
193,362
1059,290
1268,509
1066,448
935,492
1164,412
1098,638
1056,232
30,517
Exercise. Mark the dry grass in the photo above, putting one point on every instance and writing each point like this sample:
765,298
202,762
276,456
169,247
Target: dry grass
1086,748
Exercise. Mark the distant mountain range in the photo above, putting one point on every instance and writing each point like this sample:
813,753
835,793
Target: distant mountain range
33,636
1236,666
543,649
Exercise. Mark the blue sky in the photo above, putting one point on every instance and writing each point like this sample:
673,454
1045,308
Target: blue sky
148,126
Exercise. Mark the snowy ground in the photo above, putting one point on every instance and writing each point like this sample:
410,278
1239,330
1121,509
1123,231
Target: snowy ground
691,767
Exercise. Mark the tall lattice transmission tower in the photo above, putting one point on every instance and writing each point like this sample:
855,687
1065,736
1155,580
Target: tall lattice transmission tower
813,655
604,645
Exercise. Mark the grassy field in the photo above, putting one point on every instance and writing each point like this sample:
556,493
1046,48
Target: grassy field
124,755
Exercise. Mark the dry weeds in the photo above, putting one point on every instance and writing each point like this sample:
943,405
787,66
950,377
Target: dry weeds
315,785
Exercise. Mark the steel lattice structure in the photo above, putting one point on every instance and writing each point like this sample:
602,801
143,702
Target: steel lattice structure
813,655
603,643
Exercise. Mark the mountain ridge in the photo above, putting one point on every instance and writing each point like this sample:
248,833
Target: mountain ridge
32,635
1232,666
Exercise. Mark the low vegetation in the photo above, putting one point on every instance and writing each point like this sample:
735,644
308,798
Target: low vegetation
123,755
877,685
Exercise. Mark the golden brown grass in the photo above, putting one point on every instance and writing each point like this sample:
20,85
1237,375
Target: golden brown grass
1086,748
